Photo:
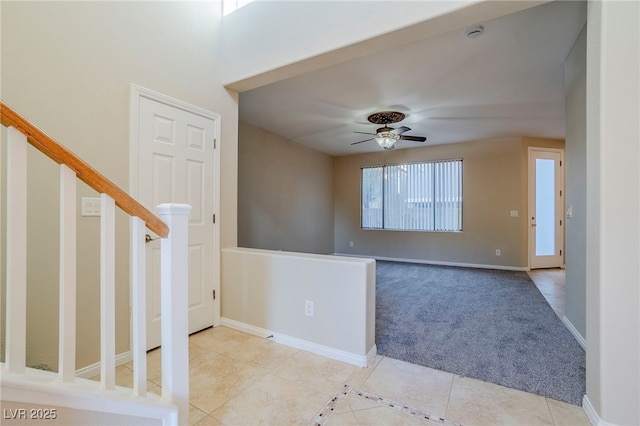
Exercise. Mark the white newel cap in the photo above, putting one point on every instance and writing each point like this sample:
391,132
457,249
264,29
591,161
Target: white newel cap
174,209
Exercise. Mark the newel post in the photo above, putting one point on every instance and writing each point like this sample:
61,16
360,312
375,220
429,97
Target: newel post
174,308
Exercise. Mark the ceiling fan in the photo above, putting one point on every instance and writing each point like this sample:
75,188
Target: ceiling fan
387,136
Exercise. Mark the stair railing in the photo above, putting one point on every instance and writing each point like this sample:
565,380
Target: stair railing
171,227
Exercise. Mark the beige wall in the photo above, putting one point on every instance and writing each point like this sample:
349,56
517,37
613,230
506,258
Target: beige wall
494,183
68,67
292,198
576,177
328,32
285,194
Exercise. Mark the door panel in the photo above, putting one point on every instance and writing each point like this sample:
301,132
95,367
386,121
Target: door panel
197,296
164,177
176,165
196,191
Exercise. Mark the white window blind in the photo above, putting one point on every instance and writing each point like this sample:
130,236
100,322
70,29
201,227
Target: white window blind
413,197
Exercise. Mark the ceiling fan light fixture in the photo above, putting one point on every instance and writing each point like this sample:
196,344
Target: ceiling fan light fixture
386,140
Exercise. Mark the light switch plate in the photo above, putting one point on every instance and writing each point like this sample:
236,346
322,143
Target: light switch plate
90,206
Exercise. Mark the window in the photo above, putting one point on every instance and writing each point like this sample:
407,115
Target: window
413,197
230,6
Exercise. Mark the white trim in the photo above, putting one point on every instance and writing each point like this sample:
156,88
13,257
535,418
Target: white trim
245,328
16,267
294,342
581,340
138,92
217,262
592,414
138,288
371,356
349,358
174,306
68,251
94,369
107,291
437,262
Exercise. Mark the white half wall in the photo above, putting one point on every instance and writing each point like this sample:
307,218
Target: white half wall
266,291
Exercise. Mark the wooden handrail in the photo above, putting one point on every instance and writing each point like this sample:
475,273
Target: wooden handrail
84,171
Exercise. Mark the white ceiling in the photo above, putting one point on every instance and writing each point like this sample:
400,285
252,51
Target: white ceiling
507,82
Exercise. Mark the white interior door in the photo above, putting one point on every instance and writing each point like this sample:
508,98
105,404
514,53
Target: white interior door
546,209
176,165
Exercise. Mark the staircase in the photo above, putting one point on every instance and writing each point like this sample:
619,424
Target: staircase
25,387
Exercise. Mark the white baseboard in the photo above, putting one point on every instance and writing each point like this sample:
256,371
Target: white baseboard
245,328
94,369
592,414
371,356
349,358
575,332
440,263
326,351
593,417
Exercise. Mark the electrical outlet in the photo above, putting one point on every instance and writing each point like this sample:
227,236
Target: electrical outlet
498,252
308,308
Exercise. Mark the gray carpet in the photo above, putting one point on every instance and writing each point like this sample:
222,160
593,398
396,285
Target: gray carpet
485,324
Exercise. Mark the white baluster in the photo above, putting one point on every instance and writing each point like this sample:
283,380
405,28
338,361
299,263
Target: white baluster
174,308
139,307
67,327
107,292
16,325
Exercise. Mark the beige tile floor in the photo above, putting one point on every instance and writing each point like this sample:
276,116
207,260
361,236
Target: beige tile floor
550,282
239,379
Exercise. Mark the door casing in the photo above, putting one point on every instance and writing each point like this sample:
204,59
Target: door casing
560,219
138,92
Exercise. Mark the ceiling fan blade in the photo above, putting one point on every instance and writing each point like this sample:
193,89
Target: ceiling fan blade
366,140
364,133
400,130
413,138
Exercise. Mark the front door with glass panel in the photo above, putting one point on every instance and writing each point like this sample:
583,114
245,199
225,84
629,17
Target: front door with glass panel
546,208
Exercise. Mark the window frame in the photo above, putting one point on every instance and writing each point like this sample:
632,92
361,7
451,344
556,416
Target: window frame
383,167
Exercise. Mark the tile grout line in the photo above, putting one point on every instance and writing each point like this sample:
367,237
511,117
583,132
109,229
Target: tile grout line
546,402
331,405
404,408
347,390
